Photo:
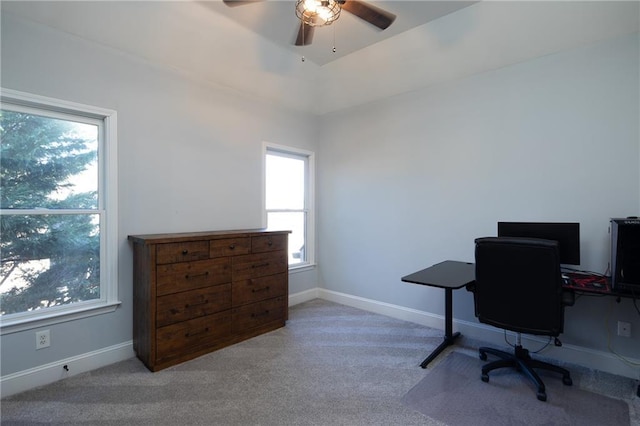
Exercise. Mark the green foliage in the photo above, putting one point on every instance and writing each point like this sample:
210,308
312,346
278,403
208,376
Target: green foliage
58,255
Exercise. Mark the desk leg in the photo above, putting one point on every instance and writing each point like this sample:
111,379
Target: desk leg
449,335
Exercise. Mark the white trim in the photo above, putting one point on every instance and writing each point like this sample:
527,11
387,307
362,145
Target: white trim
310,239
285,149
53,316
586,357
301,267
21,381
68,107
107,210
110,198
304,296
263,192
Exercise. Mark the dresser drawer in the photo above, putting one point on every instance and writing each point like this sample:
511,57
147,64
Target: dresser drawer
255,289
182,338
258,314
186,305
229,247
264,243
259,265
182,252
176,277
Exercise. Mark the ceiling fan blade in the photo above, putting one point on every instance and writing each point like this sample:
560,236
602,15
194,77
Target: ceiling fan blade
305,35
372,14
234,3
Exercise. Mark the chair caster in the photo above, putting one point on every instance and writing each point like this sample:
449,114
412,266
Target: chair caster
483,356
542,396
567,381
485,377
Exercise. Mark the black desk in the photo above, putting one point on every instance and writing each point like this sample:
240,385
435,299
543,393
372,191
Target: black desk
450,275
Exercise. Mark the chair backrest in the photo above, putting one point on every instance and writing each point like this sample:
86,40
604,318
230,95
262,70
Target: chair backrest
519,285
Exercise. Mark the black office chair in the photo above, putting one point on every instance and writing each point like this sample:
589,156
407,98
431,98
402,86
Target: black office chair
518,287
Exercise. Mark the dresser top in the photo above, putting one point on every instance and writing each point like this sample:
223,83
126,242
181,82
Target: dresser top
203,235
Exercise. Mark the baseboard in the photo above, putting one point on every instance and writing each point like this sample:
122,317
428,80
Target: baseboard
586,357
304,296
21,381
42,375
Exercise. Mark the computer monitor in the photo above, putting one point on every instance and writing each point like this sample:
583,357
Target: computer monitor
566,233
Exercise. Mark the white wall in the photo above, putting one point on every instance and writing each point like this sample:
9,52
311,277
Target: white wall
410,181
189,159
402,183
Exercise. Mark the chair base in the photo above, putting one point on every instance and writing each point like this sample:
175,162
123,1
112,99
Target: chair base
524,364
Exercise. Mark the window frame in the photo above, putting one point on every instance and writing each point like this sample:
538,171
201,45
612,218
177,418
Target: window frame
309,198
107,209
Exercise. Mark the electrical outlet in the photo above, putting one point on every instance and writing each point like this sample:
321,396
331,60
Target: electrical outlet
624,329
43,339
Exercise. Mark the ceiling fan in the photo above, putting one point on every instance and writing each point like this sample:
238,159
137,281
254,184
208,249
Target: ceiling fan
315,13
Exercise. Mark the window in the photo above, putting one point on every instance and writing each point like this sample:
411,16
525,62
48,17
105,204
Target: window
57,211
289,199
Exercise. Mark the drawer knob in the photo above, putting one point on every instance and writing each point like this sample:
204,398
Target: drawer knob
260,265
232,246
187,276
204,302
205,331
184,252
270,243
260,314
258,290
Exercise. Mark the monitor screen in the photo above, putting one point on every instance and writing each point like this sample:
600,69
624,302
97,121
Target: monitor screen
566,233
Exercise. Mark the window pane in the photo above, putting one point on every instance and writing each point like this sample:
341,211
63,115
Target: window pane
294,222
285,182
47,162
48,260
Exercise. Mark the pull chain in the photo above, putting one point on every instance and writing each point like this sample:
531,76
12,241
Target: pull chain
333,49
302,29
334,39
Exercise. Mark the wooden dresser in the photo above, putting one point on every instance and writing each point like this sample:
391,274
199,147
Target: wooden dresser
197,292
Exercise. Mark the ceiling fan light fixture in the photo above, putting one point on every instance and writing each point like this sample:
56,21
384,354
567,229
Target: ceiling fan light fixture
317,13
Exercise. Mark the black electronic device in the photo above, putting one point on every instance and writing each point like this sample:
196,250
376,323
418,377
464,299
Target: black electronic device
625,254
567,234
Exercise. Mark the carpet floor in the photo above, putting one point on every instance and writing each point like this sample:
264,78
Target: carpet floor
331,365
453,394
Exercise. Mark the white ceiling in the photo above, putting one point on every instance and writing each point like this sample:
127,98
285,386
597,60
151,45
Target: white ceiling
276,20
209,42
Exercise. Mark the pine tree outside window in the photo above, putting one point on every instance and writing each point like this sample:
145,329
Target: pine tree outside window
57,210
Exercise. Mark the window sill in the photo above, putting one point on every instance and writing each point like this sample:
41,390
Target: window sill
15,325
302,268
